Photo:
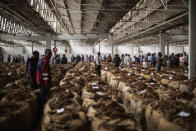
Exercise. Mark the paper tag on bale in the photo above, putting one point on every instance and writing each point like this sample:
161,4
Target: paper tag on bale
152,83
9,73
99,93
144,91
184,114
94,83
129,74
60,110
95,87
170,77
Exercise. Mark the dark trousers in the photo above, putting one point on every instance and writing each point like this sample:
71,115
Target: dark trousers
33,85
159,67
98,69
43,94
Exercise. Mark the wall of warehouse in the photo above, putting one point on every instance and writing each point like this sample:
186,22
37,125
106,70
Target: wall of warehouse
79,47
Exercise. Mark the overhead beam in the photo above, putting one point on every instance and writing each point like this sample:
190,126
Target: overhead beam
54,37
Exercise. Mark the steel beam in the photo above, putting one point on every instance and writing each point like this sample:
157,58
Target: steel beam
54,37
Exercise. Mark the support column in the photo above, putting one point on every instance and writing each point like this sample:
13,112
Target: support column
54,43
32,47
99,47
192,39
93,49
168,49
48,44
182,49
139,50
116,50
163,42
112,51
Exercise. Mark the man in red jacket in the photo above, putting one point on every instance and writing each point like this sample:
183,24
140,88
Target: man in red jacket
43,77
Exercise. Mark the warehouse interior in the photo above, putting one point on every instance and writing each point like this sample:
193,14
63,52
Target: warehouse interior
53,78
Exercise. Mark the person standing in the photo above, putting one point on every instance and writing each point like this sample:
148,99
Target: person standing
182,60
31,69
186,59
159,61
116,60
64,59
78,59
72,58
109,58
43,76
98,60
82,57
9,59
86,58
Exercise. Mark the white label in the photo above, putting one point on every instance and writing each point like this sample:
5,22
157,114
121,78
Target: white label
95,87
144,91
140,77
94,83
9,73
184,114
152,74
129,74
152,83
170,77
60,110
99,93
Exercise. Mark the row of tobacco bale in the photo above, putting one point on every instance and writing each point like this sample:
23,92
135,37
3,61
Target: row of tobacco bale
84,102
164,100
19,104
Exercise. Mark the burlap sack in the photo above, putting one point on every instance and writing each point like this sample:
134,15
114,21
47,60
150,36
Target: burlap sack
174,84
194,92
46,118
4,123
164,81
121,85
114,124
164,95
152,118
91,112
114,83
165,125
22,119
103,75
184,88
108,76
87,103
127,101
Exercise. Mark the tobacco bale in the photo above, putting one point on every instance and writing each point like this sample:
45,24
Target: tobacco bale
171,109
71,118
15,116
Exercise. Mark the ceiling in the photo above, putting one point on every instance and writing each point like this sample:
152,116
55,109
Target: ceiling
125,20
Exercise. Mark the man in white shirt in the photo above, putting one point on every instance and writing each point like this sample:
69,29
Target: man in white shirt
98,60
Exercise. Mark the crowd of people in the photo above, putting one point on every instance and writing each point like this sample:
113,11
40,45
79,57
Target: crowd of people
171,61
38,69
